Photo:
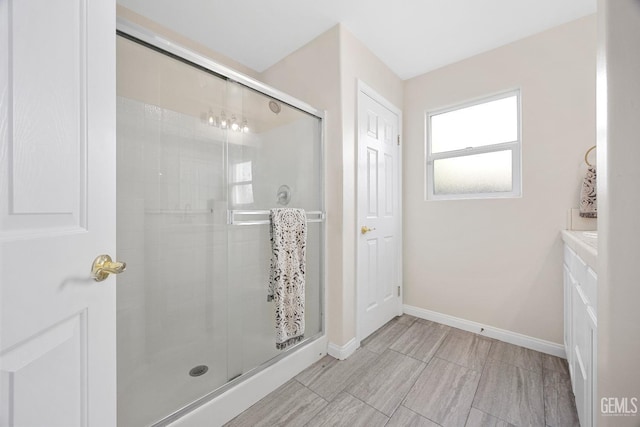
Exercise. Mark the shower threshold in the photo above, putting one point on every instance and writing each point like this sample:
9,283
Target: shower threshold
224,403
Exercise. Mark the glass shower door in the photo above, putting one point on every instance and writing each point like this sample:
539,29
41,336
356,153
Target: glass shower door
282,153
201,160
171,228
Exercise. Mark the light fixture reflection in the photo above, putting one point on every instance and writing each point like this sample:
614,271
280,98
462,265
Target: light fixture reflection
211,119
224,123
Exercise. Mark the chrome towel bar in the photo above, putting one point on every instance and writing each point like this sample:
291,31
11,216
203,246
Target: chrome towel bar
252,217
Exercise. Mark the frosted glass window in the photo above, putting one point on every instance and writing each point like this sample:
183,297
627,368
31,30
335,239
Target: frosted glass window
473,150
479,173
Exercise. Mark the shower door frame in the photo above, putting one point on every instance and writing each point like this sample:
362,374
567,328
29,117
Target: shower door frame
159,43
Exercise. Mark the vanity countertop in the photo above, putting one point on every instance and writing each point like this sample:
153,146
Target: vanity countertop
585,244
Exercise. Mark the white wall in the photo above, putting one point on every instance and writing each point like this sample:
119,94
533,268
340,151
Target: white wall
498,262
618,204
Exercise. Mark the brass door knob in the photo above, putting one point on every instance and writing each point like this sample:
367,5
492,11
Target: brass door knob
365,229
103,265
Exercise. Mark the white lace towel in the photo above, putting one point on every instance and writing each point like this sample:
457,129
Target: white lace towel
588,195
287,278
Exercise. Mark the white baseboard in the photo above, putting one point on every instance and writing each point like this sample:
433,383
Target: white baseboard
344,351
532,343
231,403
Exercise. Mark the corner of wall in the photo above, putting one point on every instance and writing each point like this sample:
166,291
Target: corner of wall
342,352
312,74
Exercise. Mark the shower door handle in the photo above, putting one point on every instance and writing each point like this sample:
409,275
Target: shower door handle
103,265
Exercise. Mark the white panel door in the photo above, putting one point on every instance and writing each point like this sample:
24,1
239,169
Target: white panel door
379,219
57,212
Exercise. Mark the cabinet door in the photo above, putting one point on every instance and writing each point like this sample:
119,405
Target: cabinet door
592,398
580,334
583,349
591,289
568,346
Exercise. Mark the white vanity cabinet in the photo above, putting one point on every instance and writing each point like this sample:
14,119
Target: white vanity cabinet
580,333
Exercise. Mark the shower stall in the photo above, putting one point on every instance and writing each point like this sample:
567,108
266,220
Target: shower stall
202,155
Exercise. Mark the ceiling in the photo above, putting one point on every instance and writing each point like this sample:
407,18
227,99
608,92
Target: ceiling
410,36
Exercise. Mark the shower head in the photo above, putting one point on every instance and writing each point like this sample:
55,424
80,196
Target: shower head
274,107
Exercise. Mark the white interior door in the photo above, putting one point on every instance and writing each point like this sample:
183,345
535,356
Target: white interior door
379,217
57,212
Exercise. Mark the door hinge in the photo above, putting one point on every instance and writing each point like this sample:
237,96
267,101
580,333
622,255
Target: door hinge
398,139
398,290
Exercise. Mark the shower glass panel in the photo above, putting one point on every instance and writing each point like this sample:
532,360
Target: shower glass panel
196,154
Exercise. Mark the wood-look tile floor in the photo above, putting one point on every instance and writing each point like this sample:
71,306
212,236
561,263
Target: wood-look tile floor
416,373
